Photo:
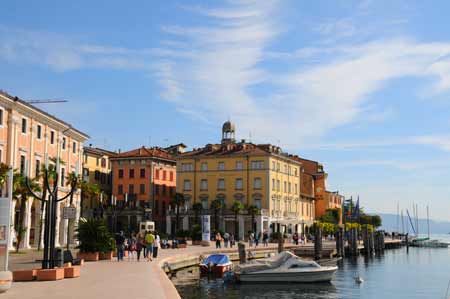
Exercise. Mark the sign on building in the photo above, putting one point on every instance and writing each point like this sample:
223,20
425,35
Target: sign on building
206,228
69,212
5,223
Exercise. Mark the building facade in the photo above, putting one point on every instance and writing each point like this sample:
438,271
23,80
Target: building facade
258,175
143,182
30,138
96,170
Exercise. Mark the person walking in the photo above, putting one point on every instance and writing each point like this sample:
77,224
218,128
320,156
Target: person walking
226,239
251,237
149,239
218,240
120,244
139,246
265,239
132,247
258,237
231,241
156,245
295,238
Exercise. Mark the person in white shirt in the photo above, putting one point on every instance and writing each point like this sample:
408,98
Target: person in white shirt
156,245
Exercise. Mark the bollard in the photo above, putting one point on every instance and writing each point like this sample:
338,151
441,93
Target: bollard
242,255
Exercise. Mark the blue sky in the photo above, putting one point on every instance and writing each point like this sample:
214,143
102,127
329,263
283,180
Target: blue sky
362,86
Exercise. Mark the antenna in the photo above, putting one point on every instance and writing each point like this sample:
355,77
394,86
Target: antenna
47,101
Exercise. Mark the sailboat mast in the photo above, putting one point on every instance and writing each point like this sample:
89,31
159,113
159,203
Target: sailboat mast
403,223
417,218
428,222
398,215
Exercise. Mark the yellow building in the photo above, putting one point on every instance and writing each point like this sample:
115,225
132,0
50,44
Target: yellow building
96,170
254,174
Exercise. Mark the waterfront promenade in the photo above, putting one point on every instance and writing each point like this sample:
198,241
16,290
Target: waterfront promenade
109,279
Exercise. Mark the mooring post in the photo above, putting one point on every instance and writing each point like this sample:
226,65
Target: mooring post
371,242
354,241
242,255
280,243
342,244
366,241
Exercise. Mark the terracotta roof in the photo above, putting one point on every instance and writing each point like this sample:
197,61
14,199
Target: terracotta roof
17,99
145,152
98,151
235,149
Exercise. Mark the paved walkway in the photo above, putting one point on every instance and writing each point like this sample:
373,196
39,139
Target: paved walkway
106,279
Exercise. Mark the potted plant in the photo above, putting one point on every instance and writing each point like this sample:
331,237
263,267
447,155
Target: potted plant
94,238
106,253
196,234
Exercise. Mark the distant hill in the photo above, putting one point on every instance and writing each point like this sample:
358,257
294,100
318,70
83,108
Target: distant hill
436,227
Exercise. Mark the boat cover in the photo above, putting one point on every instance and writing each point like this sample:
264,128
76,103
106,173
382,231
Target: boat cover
273,262
216,259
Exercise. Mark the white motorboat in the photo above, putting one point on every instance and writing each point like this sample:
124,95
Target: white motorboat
284,267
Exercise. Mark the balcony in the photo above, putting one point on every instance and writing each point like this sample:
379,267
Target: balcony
290,214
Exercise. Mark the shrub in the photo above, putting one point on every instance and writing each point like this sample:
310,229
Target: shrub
196,232
94,236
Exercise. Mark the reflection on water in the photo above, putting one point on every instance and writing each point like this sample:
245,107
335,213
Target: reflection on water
423,273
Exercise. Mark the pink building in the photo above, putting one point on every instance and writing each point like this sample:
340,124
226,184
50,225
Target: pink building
28,138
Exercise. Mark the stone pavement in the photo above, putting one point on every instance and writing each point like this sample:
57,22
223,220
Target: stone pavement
106,279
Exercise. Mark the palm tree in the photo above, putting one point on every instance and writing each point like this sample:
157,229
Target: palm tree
177,201
216,206
197,207
253,210
237,207
21,194
3,173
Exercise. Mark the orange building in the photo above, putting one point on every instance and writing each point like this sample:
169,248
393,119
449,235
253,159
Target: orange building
143,182
30,137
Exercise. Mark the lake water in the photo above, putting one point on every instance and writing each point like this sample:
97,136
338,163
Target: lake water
422,273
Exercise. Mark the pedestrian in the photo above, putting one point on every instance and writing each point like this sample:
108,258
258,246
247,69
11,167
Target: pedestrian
156,245
149,244
251,237
265,239
218,240
231,241
139,246
226,239
132,247
295,238
258,237
120,244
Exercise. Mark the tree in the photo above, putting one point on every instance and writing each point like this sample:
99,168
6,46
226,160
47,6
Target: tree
330,216
197,207
3,173
177,201
21,194
88,191
236,208
253,210
216,206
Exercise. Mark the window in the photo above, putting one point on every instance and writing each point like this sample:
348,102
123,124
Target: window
120,174
102,178
295,188
142,173
221,184
257,202
273,165
157,189
257,164
187,185
205,203
24,125
238,184
289,187
38,168
284,189
157,174
278,166
203,184
63,176
142,188
156,207
142,162
164,175
239,165
295,171
120,189
204,166
22,164
130,189
52,137
278,185
74,147
171,176
103,163
132,162
285,168
221,166
1,117
97,175
85,171
257,183
164,190
187,167
273,185
38,131
131,173
64,143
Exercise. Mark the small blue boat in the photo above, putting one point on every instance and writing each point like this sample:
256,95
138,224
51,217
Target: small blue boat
216,264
